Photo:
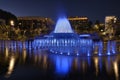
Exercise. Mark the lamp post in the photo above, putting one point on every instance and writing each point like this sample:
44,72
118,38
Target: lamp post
11,26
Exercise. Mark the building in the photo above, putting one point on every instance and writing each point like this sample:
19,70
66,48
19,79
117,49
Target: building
117,28
110,25
34,22
79,23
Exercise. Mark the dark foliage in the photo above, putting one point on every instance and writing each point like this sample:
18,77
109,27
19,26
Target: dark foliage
7,16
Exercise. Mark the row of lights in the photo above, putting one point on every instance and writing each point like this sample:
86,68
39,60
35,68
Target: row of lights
99,54
79,54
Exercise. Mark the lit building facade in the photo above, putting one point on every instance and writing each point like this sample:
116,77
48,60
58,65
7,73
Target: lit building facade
110,25
32,22
117,26
79,23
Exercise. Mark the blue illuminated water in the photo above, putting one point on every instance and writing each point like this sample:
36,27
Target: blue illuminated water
63,26
63,40
62,64
21,61
32,60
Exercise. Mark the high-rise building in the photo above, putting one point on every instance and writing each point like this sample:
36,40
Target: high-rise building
109,25
117,27
79,23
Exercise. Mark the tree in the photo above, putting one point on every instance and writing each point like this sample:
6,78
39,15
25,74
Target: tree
7,16
97,22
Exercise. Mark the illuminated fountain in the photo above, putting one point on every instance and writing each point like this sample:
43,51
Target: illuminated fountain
63,40
63,26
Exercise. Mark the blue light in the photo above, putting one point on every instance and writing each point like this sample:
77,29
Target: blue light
100,54
88,54
62,65
113,47
85,35
68,53
63,40
77,54
63,26
108,53
61,53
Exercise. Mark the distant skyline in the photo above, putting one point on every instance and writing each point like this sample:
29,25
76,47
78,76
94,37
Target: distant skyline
93,9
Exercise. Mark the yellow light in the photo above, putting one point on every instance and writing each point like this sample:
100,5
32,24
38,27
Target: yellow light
75,63
11,66
6,52
12,23
96,64
101,30
96,26
24,54
45,62
115,66
78,18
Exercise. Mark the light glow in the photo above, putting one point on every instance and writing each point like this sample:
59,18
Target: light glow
63,26
11,66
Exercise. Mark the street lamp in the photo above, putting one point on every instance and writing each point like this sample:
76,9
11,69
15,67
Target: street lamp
11,27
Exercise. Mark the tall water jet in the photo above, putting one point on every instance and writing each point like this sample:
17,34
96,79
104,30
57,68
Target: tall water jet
63,26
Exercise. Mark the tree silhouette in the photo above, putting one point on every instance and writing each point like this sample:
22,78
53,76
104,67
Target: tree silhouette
7,16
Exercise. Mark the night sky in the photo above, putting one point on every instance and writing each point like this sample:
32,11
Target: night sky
93,9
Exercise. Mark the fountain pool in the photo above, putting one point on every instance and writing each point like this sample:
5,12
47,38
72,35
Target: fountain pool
63,40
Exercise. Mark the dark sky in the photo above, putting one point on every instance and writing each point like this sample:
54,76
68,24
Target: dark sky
93,9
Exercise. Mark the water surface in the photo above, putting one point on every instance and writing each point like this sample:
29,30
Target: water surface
18,62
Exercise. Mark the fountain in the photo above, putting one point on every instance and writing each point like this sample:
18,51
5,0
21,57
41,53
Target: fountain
64,23
63,40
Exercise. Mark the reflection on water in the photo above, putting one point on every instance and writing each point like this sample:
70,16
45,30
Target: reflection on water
6,52
115,66
11,66
50,66
63,64
96,65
